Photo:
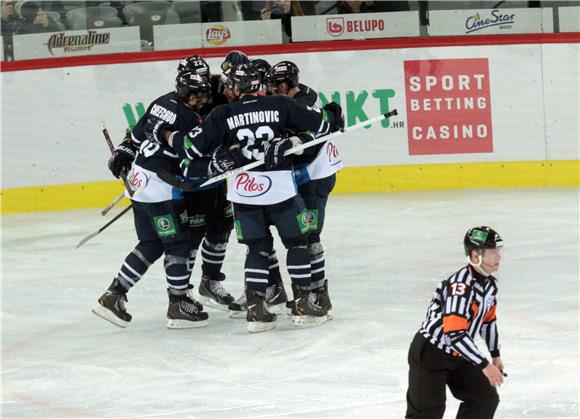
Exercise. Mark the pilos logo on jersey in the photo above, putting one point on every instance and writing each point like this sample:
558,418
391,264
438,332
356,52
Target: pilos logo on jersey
261,188
73,43
486,19
448,106
217,35
250,185
165,225
138,180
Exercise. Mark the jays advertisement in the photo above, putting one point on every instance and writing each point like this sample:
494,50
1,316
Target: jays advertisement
503,103
355,26
72,43
490,21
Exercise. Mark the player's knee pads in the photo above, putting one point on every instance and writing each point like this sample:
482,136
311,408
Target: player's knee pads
298,255
260,247
299,241
148,251
177,253
316,248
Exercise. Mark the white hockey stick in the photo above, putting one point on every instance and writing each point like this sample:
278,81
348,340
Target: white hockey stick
112,204
96,233
300,147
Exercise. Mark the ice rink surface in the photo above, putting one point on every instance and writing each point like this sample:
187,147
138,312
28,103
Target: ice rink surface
385,255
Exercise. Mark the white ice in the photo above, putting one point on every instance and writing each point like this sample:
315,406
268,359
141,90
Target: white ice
385,254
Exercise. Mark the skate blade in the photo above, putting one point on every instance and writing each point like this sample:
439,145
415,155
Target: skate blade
303,322
237,314
209,302
109,316
255,327
185,324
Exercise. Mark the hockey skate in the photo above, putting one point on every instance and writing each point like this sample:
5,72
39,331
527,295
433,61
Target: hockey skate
239,307
324,299
183,313
213,294
307,310
275,296
111,305
258,316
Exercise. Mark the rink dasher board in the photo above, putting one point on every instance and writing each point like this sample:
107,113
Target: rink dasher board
529,113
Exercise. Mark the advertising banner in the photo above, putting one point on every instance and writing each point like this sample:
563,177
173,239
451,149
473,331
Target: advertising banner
448,106
181,36
224,34
355,26
72,43
490,21
569,18
463,104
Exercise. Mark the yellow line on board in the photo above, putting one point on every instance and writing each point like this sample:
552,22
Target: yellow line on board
350,180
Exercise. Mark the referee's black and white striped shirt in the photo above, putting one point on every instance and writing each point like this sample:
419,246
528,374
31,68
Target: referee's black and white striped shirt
463,305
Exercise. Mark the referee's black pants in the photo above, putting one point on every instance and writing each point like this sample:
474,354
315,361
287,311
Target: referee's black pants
430,369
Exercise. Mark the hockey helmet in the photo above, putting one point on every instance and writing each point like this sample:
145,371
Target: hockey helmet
480,238
188,83
234,58
194,64
284,71
244,76
262,66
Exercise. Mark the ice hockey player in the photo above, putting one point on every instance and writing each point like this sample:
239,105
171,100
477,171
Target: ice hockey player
161,219
275,293
315,170
264,127
209,211
443,351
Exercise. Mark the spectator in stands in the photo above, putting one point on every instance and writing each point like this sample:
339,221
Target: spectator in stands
345,7
8,18
284,10
32,19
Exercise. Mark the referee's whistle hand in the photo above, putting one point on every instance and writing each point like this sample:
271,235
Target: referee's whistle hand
493,374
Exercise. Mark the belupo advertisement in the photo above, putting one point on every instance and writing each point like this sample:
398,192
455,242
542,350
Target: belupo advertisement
355,26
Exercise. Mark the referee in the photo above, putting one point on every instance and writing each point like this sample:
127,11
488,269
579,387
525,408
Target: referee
443,351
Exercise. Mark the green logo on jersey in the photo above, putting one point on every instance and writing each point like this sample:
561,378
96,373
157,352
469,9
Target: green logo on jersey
165,225
239,234
303,221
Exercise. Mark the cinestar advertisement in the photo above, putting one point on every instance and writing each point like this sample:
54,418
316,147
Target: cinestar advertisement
455,104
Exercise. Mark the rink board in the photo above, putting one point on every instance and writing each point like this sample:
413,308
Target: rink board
470,116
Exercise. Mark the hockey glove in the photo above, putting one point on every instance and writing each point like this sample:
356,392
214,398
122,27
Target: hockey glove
335,118
225,159
275,150
122,158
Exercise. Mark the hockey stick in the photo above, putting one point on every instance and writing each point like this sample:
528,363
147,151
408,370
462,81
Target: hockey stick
300,147
112,204
170,179
100,230
112,148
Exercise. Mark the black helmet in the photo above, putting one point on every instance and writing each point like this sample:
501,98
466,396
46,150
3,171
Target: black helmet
234,58
262,66
244,76
479,238
284,71
188,83
194,64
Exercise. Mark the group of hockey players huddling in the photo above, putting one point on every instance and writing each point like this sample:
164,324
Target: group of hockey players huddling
209,125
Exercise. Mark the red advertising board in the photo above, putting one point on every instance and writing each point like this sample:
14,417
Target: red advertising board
448,106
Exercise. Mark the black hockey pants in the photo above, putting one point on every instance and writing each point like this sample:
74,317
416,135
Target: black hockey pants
430,369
